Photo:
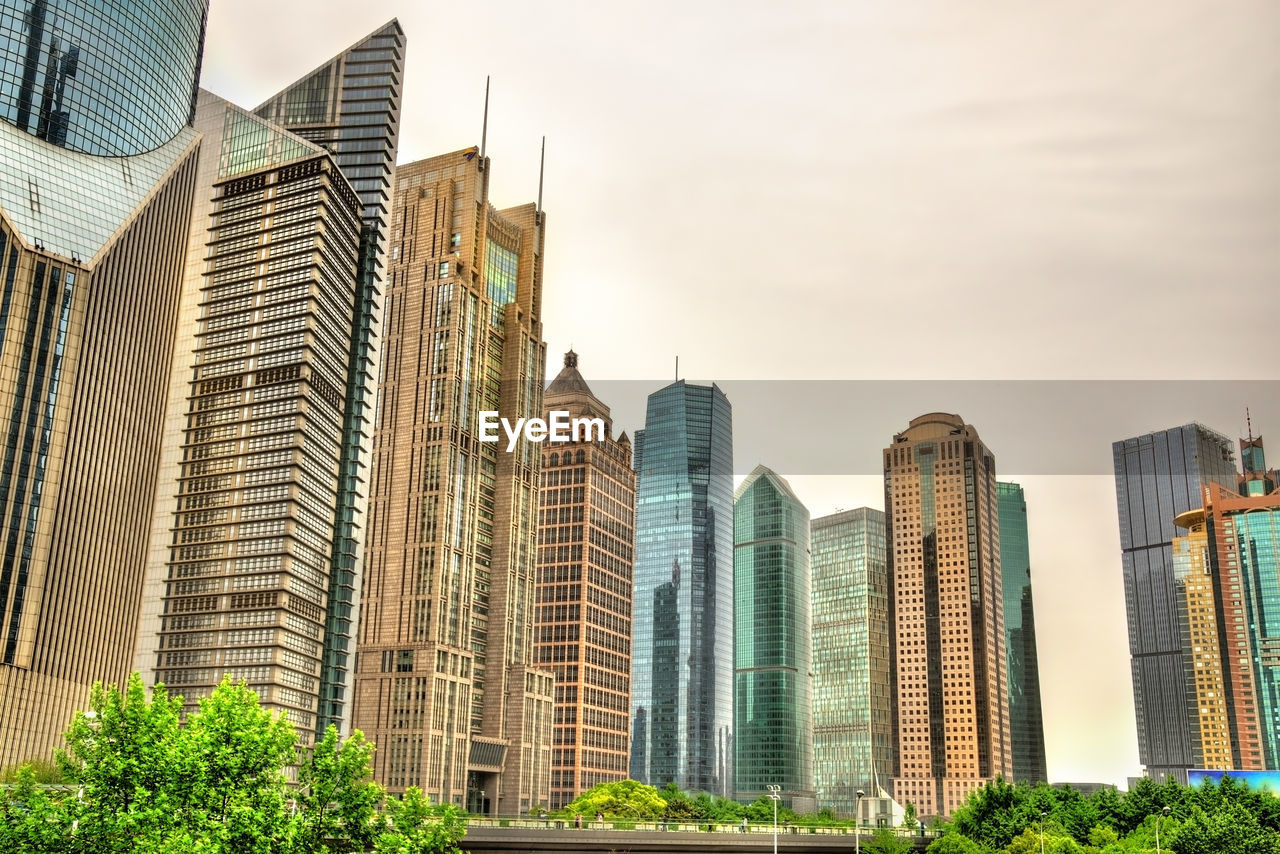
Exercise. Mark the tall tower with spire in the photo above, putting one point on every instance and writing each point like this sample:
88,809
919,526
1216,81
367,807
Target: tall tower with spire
586,539
445,681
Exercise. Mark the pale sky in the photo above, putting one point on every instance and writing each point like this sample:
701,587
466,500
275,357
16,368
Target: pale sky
1084,190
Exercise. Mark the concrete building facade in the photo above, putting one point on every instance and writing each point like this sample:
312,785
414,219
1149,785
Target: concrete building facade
951,703
586,542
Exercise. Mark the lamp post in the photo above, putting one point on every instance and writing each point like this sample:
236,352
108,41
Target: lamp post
1163,813
775,796
857,821
91,717
1043,816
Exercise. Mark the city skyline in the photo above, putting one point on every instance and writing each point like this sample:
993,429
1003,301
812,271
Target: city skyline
1219,81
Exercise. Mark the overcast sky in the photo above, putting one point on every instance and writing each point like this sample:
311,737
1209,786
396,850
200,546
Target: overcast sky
1083,190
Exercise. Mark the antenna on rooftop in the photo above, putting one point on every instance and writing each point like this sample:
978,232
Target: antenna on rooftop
542,165
484,129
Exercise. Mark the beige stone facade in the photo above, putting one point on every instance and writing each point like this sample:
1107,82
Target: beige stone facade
586,540
444,679
84,360
949,669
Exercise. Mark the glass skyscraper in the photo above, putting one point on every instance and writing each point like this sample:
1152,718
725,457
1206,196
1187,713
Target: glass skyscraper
1026,720
773,656
1159,476
682,642
852,693
98,160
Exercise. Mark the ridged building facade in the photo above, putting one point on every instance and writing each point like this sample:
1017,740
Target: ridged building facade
97,180
253,569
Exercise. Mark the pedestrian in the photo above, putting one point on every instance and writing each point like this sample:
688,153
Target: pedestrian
744,824
600,818
577,821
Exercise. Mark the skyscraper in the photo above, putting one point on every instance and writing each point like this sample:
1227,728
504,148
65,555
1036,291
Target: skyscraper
1159,476
773,642
587,507
445,682
1026,720
252,570
98,160
853,739
951,702
1227,580
682,641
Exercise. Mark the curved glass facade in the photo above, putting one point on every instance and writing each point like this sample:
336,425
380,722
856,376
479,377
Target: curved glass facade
104,78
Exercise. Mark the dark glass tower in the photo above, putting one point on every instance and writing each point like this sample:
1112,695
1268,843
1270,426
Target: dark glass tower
681,689
1026,721
773,642
1158,477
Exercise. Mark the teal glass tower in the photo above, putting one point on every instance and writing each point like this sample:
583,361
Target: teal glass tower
682,642
773,642
852,690
1026,720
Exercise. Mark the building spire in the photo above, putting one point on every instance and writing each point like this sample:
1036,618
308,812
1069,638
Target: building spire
484,127
571,359
542,165
1248,422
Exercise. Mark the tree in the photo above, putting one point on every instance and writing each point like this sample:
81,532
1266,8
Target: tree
417,827
1231,829
233,757
954,843
1055,842
30,820
909,816
337,798
626,798
885,841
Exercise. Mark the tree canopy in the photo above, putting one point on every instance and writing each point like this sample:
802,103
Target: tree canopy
139,781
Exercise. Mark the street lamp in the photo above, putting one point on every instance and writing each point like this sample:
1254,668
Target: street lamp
1043,816
91,717
1164,812
857,821
775,797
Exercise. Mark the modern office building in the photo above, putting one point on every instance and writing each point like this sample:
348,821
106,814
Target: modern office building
586,542
951,701
773,642
97,178
1026,718
1195,593
682,640
445,680
1158,477
252,571
1226,577
853,739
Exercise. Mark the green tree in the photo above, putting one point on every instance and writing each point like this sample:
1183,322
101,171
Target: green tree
125,754
31,820
1232,829
885,841
954,843
417,827
233,756
909,816
624,798
336,797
